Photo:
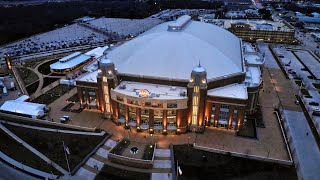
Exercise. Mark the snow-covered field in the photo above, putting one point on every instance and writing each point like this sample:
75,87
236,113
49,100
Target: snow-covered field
125,27
95,31
69,36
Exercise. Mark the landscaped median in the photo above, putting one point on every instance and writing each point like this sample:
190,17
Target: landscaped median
49,143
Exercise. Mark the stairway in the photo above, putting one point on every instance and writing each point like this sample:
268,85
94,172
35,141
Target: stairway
162,168
96,162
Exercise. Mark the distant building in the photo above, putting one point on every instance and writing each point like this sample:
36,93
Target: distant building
313,18
267,31
316,36
73,63
179,76
84,19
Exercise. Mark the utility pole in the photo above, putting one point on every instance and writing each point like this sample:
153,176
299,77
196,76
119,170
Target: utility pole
65,153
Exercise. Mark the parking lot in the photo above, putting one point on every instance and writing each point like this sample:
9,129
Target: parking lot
300,65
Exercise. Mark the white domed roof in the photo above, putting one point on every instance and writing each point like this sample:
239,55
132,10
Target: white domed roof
173,55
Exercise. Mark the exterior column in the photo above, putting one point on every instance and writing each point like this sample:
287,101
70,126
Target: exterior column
240,118
80,95
165,119
208,112
115,107
182,120
189,93
217,115
138,116
100,94
151,120
201,109
231,111
127,114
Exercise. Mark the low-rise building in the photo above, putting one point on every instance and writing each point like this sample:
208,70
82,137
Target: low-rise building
26,109
261,30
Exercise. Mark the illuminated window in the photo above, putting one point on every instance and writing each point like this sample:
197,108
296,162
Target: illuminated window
196,89
195,105
172,115
145,116
132,114
234,118
213,111
106,98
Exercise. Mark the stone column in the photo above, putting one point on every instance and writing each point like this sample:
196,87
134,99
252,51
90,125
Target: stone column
182,120
151,118
115,107
217,115
240,117
201,109
127,114
138,115
165,120
79,90
208,112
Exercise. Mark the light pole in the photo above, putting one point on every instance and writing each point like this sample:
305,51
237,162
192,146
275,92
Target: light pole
65,153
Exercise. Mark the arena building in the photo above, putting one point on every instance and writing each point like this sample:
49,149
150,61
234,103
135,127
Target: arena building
179,76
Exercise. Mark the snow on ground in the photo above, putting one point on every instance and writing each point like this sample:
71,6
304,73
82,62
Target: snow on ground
125,27
69,36
310,62
270,62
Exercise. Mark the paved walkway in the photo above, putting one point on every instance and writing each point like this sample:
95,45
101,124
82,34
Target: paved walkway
269,59
305,149
40,80
162,163
8,172
95,163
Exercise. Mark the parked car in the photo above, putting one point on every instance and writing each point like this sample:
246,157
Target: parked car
66,117
316,113
63,120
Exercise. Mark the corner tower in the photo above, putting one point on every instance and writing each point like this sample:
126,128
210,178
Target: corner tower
197,92
106,79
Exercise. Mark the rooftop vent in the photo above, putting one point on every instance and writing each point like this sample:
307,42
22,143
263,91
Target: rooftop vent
173,88
179,24
122,87
182,94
